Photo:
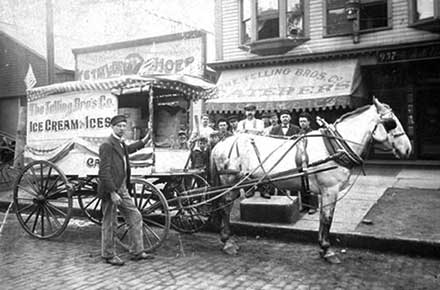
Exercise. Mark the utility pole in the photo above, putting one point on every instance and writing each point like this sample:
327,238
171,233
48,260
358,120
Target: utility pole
50,43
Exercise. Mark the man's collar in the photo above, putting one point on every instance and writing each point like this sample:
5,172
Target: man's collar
120,139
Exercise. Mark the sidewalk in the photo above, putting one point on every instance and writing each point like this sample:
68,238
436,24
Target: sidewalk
402,205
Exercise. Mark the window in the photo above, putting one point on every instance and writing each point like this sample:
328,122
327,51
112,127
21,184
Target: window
373,14
425,14
295,18
245,29
268,20
272,26
424,9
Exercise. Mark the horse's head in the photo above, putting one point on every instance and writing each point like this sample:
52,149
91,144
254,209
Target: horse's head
389,131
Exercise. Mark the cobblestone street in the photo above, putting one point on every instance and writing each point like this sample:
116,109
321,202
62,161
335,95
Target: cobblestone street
196,262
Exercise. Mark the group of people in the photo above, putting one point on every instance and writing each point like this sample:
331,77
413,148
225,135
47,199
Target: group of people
114,168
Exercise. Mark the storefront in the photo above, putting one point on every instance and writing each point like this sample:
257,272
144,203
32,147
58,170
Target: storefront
405,77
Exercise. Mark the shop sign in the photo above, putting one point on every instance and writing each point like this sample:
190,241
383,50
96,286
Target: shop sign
408,54
183,56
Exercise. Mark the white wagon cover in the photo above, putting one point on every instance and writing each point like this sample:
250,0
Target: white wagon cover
67,122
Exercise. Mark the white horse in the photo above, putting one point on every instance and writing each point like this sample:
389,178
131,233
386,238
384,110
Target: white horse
255,156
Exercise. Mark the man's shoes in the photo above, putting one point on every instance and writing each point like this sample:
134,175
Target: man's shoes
142,256
115,261
312,211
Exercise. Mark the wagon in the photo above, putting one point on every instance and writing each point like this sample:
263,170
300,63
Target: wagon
67,122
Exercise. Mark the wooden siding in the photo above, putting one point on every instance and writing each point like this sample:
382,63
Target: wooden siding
399,33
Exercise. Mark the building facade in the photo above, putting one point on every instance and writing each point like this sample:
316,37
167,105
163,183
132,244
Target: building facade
330,56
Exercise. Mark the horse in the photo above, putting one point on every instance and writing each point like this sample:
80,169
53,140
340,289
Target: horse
245,155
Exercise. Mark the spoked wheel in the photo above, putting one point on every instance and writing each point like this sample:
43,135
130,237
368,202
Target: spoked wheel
154,209
89,203
43,199
191,213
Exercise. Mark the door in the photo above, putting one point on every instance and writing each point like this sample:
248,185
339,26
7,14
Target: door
428,123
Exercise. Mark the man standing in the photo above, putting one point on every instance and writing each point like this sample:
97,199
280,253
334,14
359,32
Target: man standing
233,124
273,120
305,121
114,181
251,124
222,126
285,129
308,200
203,131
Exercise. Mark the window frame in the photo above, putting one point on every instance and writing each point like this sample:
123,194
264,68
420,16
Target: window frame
283,40
412,22
369,30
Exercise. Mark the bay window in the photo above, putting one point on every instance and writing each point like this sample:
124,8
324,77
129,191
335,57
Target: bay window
272,26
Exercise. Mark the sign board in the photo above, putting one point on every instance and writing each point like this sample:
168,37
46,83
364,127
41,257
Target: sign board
182,53
71,124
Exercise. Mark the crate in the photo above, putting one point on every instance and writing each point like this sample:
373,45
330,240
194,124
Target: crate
277,209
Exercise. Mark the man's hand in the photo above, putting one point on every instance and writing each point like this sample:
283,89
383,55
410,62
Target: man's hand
116,199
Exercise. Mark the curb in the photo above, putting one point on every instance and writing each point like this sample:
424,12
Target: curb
404,246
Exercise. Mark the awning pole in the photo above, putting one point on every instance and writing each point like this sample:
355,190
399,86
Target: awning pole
150,124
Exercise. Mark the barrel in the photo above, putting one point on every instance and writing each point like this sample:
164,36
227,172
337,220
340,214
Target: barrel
133,118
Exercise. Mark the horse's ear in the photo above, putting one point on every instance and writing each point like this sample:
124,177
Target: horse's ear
378,105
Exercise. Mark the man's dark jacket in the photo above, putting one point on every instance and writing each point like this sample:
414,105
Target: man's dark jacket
278,131
111,165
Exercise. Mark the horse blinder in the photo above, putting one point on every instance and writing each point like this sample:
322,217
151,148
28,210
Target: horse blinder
389,124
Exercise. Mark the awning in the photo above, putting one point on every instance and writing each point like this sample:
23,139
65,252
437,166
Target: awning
326,84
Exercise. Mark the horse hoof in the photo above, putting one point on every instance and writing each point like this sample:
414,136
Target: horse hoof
332,258
230,248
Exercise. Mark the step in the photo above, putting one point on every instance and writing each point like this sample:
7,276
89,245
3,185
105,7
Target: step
277,209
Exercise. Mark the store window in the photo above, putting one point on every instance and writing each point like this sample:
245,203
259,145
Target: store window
373,15
272,26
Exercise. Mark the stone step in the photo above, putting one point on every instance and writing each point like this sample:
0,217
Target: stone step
277,209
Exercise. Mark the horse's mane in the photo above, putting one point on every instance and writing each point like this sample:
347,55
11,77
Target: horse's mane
355,112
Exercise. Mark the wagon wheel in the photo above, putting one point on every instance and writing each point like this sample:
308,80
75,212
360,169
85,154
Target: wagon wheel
189,219
154,209
89,203
43,199
7,171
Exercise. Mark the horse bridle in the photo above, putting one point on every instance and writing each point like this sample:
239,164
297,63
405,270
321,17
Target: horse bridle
387,120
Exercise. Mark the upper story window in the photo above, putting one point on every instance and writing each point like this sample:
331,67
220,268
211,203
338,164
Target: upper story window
272,26
373,15
425,14
424,9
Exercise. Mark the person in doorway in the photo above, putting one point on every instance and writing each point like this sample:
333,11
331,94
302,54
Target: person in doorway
233,123
285,129
251,124
199,157
114,182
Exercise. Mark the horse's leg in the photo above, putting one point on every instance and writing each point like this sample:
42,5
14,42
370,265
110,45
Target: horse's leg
328,200
230,247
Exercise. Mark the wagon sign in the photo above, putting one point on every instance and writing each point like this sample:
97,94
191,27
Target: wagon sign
59,123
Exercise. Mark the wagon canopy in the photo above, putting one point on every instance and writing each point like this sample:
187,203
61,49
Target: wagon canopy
193,87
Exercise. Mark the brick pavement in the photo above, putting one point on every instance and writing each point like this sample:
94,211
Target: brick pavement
72,262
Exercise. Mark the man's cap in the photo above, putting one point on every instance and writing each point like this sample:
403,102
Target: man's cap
222,120
285,112
118,119
181,132
305,115
232,118
250,108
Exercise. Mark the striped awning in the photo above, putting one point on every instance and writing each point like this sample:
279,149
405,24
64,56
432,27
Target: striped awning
193,87
326,84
